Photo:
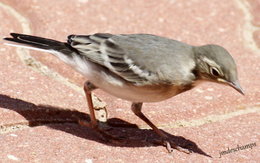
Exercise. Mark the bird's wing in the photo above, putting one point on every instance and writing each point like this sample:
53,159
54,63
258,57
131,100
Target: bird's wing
101,49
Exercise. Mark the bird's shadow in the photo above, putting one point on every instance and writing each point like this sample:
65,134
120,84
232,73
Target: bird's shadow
66,120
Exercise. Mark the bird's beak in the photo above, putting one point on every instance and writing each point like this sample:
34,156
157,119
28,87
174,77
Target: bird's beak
235,85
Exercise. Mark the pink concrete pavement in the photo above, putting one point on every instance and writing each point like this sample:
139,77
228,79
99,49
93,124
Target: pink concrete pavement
208,119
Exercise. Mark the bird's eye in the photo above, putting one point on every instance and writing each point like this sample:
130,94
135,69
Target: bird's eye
214,71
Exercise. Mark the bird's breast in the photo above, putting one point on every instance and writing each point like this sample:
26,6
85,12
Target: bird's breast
147,93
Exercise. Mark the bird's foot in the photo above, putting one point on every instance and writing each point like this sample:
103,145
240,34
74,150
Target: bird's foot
170,146
101,131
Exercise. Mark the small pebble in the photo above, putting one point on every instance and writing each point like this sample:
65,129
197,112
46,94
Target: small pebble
88,161
83,1
2,49
208,97
199,90
12,157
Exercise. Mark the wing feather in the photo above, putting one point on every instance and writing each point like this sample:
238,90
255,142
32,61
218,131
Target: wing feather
101,49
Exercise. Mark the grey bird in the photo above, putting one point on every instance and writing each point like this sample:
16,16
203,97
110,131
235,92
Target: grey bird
138,68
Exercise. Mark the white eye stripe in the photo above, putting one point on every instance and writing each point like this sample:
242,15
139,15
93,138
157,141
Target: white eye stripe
212,66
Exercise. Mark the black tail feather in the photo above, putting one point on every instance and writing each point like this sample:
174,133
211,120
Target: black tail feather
34,41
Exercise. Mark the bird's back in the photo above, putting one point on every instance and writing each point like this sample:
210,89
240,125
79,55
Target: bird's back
158,54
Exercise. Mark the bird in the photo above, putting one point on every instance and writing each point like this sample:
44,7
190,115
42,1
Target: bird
139,68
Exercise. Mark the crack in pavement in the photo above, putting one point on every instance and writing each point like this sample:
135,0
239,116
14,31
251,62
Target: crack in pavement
212,118
248,27
209,119
7,128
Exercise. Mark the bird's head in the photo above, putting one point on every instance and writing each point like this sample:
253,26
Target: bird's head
214,63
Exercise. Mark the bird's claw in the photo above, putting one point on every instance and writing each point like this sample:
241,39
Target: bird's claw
170,146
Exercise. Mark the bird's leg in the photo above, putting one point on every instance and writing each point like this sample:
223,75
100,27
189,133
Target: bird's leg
88,88
136,108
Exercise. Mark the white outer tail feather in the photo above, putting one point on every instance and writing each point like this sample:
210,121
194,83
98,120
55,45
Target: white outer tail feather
61,56
29,47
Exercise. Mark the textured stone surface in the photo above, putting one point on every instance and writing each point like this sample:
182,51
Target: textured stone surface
211,116
256,36
255,9
254,6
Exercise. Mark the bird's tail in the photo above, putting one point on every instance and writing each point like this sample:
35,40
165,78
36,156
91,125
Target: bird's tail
38,43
